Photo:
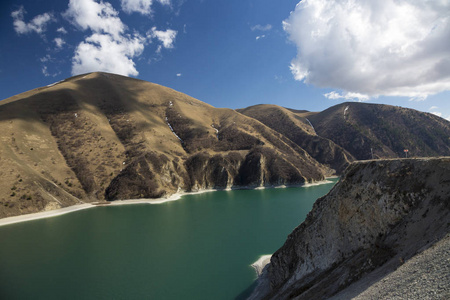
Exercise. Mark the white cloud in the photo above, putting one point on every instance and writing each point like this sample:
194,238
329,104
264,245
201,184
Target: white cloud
260,37
434,111
140,6
179,75
347,96
102,52
45,71
100,17
372,47
167,37
61,30
108,49
38,24
46,58
261,27
59,42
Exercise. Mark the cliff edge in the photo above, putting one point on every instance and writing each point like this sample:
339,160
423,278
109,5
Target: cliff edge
373,224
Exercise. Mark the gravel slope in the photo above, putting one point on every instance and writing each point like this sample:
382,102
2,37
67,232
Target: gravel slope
424,276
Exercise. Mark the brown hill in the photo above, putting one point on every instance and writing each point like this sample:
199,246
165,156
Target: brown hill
387,130
102,136
295,125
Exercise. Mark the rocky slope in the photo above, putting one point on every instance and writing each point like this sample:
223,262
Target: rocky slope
349,131
380,215
101,136
384,130
296,126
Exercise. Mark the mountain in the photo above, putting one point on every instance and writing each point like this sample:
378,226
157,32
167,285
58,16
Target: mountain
358,131
101,136
366,238
296,126
384,130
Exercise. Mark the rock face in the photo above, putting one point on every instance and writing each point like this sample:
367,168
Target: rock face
378,216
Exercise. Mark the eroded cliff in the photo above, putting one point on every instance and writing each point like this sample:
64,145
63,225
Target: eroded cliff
378,216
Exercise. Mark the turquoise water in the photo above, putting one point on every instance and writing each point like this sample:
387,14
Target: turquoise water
200,247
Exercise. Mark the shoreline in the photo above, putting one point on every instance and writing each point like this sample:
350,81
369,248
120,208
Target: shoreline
173,197
261,263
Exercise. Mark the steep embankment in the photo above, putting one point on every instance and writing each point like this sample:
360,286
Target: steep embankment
384,130
296,126
380,215
104,137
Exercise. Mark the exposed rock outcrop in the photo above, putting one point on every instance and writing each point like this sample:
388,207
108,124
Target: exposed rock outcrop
380,214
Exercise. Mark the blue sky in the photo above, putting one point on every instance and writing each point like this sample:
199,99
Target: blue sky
236,53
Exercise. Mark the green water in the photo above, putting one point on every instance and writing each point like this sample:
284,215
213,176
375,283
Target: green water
199,247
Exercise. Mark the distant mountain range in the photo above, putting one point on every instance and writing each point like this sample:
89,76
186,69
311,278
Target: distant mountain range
101,136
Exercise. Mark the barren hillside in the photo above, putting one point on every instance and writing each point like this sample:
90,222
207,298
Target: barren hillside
101,136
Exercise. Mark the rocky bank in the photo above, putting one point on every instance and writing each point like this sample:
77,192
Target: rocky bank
375,221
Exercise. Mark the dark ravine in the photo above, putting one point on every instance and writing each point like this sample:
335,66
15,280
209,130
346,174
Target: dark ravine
379,215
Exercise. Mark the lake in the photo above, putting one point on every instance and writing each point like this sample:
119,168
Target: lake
199,247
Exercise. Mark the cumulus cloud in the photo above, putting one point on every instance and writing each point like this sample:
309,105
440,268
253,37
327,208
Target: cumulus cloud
179,75
371,48
61,30
102,52
100,17
59,42
109,48
46,58
434,111
140,6
167,37
45,71
347,96
38,24
261,27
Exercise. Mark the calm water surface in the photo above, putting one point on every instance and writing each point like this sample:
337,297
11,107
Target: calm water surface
200,247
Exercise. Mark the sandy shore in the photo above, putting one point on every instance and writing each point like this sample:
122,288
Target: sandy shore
77,207
173,197
317,183
45,214
261,263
